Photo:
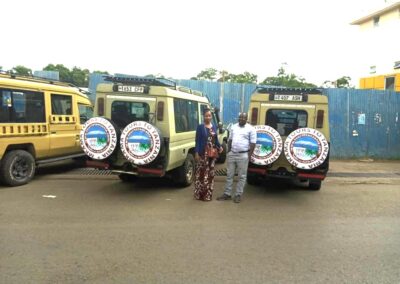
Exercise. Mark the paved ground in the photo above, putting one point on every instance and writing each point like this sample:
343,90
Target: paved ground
100,230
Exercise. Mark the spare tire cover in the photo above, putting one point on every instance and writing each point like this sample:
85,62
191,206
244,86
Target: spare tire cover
98,138
140,142
306,148
268,146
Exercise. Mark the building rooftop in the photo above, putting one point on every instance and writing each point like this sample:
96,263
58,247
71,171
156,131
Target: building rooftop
376,14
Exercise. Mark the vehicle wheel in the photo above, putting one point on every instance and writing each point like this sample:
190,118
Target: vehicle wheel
314,184
127,177
222,157
253,179
17,168
184,175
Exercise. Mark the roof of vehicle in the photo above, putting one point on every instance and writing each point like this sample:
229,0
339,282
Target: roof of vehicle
36,83
153,86
310,95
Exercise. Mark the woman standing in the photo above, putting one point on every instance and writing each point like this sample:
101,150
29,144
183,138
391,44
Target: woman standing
207,149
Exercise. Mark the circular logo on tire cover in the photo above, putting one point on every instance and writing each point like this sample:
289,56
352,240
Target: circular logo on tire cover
306,148
268,146
98,138
140,142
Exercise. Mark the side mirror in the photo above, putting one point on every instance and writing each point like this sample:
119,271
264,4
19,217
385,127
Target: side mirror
83,118
221,128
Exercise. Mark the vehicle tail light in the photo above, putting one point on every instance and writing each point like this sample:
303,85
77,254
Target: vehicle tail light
160,111
320,118
254,115
100,106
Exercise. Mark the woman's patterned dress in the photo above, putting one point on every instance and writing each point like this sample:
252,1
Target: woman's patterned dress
204,183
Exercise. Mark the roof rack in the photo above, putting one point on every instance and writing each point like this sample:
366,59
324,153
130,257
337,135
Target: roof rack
284,90
136,80
32,78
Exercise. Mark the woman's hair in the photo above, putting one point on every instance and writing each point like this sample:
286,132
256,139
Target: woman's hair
206,110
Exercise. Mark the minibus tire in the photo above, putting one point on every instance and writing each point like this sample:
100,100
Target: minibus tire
17,168
185,174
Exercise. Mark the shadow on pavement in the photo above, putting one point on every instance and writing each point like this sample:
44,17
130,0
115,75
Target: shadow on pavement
61,167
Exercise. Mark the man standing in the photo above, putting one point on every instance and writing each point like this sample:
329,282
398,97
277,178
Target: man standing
241,143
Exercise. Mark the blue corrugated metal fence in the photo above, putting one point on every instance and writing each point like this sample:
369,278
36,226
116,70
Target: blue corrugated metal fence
363,123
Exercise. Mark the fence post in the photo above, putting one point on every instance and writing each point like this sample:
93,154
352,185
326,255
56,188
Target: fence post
221,102
242,99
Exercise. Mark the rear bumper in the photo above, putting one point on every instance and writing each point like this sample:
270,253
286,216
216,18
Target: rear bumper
137,171
145,172
316,174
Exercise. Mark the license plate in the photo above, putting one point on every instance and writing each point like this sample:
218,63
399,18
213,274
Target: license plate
131,89
294,98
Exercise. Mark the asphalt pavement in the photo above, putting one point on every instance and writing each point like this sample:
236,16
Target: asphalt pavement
76,228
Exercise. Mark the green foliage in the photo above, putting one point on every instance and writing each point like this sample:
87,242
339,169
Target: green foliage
207,74
80,77
76,76
311,153
144,147
246,77
101,72
22,70
266,149
287,80
101,141
64,72
224,76
343,82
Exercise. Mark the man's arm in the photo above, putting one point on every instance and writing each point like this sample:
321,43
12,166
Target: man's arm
253,140
252,146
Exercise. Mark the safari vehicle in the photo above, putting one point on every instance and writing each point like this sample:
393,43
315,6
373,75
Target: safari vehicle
146,127
40,122
295,122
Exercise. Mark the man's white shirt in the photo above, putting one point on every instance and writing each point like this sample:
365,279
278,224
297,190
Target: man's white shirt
242,137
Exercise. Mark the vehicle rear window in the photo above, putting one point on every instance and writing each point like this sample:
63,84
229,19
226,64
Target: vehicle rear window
123,113
285,120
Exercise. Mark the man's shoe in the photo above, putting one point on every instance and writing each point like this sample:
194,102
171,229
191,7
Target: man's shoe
237,199
224,197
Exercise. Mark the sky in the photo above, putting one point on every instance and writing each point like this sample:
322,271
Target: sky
178,38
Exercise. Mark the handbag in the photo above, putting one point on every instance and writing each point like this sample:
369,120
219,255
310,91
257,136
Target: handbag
211,152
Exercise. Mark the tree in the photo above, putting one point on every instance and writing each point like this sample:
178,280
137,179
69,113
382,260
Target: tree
225,76
76,76
80,77
287,80
64,72
22,70
207,74
101,72
246,77
343,82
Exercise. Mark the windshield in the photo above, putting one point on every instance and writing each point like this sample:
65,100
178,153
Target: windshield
123,113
